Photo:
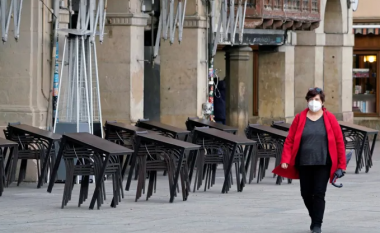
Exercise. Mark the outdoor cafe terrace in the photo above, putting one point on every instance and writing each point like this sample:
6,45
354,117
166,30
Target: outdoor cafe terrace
164,179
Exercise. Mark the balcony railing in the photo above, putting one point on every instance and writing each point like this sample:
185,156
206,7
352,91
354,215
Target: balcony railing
294,14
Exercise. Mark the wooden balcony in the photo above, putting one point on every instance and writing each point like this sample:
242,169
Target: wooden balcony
283,14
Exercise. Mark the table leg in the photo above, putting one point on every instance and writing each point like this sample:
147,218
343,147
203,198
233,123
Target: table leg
13,153
358,164
133,163
247,151
98,184
194,155
56,165
186,137
249,158
176,176
372,149
44,166
227,174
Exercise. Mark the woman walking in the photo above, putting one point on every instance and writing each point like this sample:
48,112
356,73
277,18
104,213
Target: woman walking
313,152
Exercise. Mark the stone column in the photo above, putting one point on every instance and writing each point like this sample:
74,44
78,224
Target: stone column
308,65
24,85
337,58
338,75
121,62
276,85
237,80
183,74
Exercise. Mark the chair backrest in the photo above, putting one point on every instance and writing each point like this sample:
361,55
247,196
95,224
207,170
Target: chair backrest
277,122
6,133
188,125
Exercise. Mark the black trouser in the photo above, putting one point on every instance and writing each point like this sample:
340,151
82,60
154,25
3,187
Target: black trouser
314,180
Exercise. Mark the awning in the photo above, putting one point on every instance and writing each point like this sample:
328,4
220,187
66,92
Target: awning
366,28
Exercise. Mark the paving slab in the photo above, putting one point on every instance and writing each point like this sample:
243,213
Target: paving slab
262,208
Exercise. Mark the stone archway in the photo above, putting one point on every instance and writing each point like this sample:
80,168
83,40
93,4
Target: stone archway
333,17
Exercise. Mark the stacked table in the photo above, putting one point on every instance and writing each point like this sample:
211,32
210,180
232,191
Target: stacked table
34,143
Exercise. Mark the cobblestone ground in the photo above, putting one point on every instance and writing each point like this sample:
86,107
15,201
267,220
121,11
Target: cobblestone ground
260,208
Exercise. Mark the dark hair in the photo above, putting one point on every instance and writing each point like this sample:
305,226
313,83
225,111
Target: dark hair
315,91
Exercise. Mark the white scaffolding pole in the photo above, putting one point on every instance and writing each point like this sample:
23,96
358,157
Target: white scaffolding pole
60,83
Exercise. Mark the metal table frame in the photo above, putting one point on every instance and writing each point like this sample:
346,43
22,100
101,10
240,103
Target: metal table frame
364,147
182,146
278,136
118,151
6,175
232,142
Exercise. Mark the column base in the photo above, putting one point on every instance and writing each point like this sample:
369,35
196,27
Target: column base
24,114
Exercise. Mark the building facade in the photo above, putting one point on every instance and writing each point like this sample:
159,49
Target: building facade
263,84
365,65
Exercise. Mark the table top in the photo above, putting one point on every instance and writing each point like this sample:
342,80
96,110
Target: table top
37,132
169,141
97,143
5,142
161,126
123,126
214,125
283,125
357,127
270,130
240,140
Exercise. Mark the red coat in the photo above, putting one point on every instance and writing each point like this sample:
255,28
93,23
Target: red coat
336,145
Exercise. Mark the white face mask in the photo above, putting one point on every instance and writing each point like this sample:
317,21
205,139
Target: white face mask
314,105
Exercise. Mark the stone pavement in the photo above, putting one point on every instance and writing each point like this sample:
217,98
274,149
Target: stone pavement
261,208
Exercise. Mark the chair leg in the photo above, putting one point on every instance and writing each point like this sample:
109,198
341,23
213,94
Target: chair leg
22,171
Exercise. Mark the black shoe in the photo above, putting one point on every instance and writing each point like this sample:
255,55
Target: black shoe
311,227
316,229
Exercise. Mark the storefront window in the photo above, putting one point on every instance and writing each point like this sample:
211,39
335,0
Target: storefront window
364,84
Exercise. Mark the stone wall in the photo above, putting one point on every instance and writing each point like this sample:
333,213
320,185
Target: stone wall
183,75
121,62
271,85
25,72
25,69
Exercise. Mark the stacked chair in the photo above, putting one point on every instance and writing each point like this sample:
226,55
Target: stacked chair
127,139
267,148
211,154
144,162
124,138
29,148
153,158
353,140
80,161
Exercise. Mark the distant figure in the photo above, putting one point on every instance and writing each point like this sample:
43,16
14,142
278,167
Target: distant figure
220,102
314,152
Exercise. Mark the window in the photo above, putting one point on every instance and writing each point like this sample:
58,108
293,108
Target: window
365,83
